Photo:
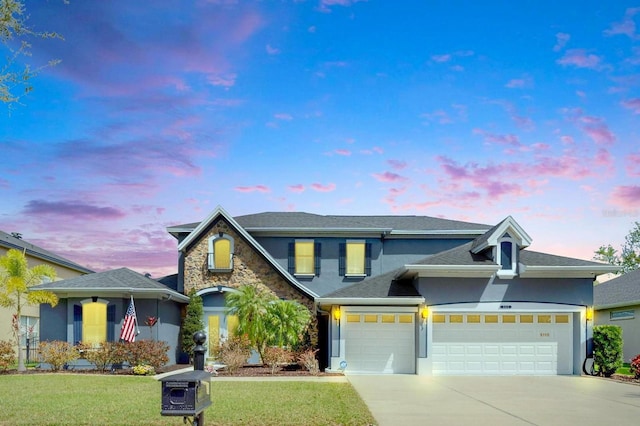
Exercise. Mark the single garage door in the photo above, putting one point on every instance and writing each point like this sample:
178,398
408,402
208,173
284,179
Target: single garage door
382,343
502,344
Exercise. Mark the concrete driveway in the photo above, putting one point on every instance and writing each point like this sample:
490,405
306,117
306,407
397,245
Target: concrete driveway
557,400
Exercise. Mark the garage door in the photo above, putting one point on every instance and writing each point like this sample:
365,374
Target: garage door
382,343
502,344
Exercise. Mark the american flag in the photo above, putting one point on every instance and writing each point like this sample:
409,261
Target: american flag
128,331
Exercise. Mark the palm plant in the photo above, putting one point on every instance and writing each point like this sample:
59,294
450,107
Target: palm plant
287,322
16,279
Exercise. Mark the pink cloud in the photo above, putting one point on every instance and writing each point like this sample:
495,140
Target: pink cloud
389,177
78,210
597,130
255,188
226,80
633,104
438,116
373,150
519,83
397,164
561,41
492,138
296,188
626,196
567,140
283,116
626,27
272,50
323,188
343,152
325,5
633,164
579,58
441,58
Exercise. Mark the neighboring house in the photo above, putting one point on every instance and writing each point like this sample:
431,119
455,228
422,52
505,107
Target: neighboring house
400,294
617,302
92,309
35,256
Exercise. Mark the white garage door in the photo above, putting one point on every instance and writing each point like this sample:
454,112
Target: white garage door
380,342
502,344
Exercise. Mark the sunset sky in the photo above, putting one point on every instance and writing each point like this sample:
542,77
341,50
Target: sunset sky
471,110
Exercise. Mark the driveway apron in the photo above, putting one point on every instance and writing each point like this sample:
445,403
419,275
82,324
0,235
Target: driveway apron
506,400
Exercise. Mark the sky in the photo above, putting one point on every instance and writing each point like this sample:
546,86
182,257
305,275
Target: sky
161,110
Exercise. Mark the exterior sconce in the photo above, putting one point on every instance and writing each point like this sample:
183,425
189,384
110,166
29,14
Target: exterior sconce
424,313
94,299
589,313
336,313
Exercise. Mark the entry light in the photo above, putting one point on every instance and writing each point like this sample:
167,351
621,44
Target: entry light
589,313
336,313
424,312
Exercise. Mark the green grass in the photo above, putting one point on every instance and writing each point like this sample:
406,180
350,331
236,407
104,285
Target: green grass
71,399
625,370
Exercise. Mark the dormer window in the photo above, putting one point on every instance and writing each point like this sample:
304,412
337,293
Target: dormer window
221,253
506,257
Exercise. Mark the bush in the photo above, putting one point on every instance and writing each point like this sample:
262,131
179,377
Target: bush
104,355
307,359
144,370
607,348
275,357
7,355
145,352
57,353
233,352
634,367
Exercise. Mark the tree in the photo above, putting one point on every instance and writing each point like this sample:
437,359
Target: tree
15,81
192,322
629,257
16,279
267,320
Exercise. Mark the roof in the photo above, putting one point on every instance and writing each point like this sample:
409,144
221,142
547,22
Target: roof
11,242
116,282
621,291
309,222
384,288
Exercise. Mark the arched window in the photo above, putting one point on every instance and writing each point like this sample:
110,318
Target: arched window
221,252
506,256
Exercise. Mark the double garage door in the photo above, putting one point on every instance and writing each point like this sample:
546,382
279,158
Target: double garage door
501,344
382,343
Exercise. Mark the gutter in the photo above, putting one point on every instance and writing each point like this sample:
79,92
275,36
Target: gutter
116,290
468,271
374,301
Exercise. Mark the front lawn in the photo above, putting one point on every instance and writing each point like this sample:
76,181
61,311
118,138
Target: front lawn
130,400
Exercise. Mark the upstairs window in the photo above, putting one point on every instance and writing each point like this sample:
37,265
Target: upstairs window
507,257
355,259
304,258
221,252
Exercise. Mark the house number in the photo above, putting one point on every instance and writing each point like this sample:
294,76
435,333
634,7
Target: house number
544,334
505,306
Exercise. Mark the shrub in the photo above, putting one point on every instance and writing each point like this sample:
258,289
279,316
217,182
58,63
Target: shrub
307,359
192,323
144,370
635,366
104,355
275,357
607,348
149,352
7,355
233,352
57,353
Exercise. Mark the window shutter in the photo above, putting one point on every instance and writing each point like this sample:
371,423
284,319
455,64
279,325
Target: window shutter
317,259
111,322
77,324
292,258
367,259
342,259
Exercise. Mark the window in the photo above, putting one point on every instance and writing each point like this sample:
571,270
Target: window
506,257
94,322
221,252
28,329
304,258
355,259
622,315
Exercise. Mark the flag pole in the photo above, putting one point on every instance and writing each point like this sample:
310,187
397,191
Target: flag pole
135,316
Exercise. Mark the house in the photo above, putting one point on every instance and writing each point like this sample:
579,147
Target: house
400,294
35,256
617,302
92,307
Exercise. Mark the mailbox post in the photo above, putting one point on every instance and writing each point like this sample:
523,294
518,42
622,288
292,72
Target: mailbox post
188,394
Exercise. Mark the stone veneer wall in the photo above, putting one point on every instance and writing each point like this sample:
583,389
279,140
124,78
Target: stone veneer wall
249,267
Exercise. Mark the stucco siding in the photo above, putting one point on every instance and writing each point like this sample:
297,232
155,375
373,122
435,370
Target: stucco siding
630,328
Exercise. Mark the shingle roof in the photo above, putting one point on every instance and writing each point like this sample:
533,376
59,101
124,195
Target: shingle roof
620,291
379,286
10,242
115,279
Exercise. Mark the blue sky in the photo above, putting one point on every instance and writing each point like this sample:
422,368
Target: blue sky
160,111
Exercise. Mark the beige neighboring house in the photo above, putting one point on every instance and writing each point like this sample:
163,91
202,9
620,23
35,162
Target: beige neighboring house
35,256
617,302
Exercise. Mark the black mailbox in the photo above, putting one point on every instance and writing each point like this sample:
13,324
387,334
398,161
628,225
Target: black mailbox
186,394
